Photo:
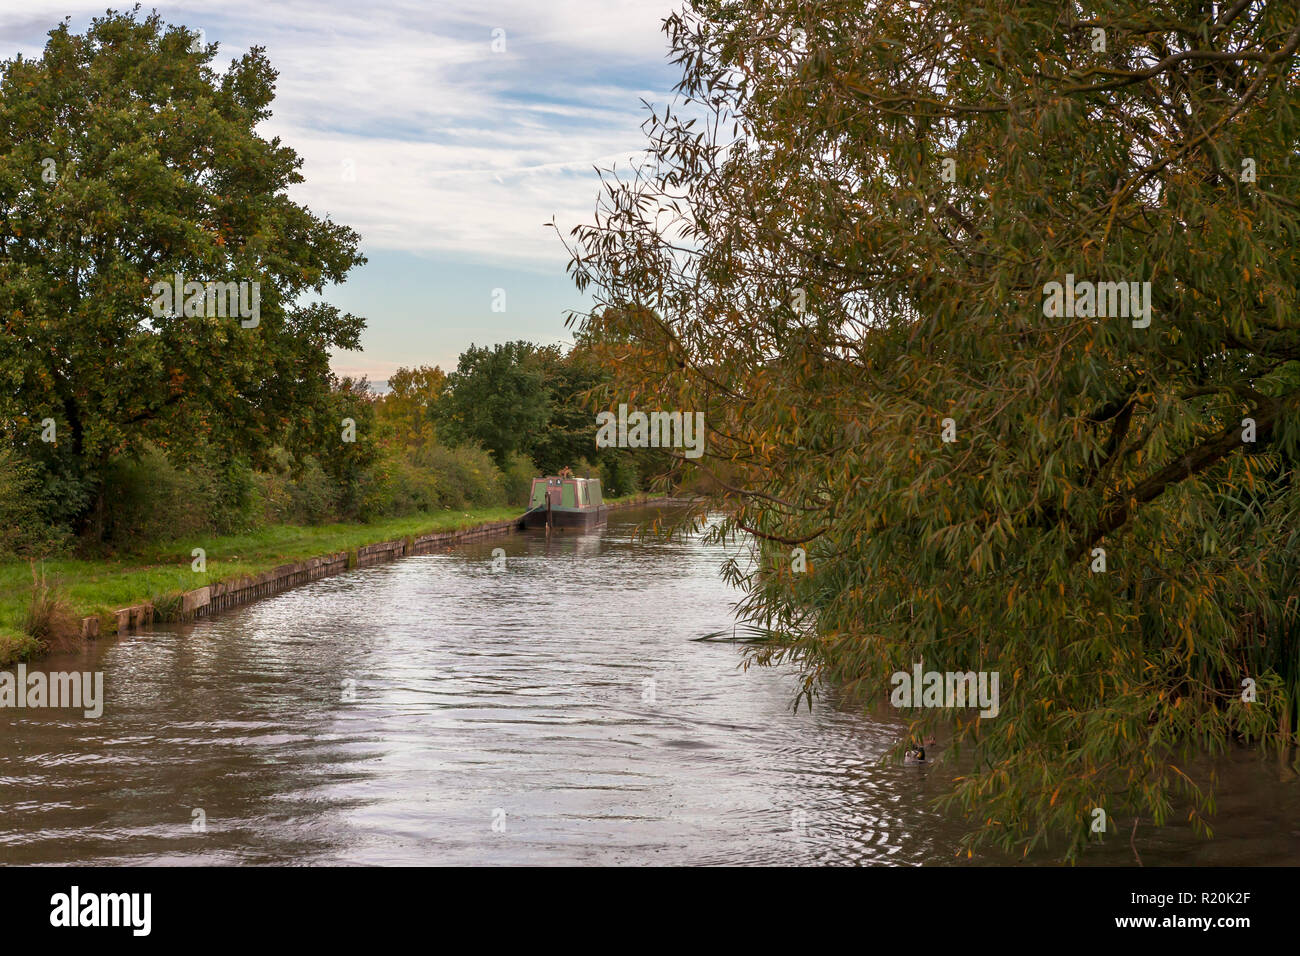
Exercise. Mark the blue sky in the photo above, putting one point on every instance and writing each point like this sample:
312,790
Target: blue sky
445,155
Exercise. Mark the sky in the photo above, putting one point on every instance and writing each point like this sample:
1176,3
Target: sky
446,155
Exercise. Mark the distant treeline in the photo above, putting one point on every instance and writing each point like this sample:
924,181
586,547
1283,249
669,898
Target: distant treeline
471,438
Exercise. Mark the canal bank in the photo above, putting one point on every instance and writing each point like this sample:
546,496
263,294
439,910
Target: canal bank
141,601
558,709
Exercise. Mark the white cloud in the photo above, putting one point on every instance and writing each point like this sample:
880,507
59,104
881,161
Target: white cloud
455,148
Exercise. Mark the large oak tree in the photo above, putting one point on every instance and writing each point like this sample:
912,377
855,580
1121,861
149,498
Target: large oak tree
127,159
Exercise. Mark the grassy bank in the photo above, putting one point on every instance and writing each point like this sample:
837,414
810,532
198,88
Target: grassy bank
101,585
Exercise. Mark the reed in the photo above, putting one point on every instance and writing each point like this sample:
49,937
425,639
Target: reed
49,618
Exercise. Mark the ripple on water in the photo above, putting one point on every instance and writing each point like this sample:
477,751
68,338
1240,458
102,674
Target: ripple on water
433,711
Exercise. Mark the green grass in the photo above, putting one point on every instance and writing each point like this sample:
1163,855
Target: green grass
160,572
16,646
99,586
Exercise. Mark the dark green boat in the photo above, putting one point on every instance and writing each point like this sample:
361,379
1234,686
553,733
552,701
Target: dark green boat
563,501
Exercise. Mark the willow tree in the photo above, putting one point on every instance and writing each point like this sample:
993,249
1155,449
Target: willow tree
870,241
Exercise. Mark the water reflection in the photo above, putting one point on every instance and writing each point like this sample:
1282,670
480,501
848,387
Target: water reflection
434,711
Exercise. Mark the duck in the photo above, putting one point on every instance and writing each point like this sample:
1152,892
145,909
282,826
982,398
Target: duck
915,754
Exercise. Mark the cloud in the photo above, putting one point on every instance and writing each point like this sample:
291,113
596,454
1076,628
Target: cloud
452,147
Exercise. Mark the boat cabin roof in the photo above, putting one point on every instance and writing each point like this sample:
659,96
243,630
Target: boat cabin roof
556,479
567,491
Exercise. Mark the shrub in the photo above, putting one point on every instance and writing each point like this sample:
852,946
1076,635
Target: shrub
466,476
618,476
24,530
518,479
49,618
308,497
153,498
396,486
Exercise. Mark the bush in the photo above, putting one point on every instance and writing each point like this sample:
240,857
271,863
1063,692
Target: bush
24,530
618,476
49,618
518,479
314,495
152,498
395,486
414,489
466,476
309,497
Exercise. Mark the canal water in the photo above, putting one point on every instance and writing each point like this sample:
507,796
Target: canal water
559,711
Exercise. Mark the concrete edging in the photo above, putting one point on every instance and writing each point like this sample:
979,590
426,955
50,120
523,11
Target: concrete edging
213,598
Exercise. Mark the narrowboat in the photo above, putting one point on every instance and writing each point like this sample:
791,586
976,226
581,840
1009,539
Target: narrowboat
563,501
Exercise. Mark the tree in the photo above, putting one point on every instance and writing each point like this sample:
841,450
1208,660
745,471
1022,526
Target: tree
853,241
407,410
496,398
604,354
568,434
342,436
128,165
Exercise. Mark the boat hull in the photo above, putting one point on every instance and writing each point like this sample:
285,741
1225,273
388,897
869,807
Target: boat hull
564,519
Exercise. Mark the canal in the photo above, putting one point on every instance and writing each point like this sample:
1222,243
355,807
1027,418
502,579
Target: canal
559,711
